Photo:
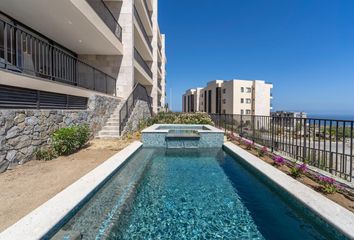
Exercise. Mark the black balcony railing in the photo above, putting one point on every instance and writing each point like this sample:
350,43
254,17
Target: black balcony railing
24,52
107,16
142,28
148,11
323,143
142,62
139,93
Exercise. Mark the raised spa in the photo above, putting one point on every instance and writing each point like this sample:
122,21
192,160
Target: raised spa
182,136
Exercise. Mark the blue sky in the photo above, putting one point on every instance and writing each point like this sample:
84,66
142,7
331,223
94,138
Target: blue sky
304,47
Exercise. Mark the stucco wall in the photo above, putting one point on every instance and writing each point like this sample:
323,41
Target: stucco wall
24,131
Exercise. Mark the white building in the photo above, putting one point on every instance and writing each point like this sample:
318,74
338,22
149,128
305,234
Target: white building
65,62
83,47
248,97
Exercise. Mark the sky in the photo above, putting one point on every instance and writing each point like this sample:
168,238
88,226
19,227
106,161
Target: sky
304,47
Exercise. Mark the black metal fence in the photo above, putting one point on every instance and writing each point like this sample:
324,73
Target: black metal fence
25,52
139,93
323,143
148,11
142,62
107,16
142,28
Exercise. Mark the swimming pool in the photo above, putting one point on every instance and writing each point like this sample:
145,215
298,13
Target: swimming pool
192,194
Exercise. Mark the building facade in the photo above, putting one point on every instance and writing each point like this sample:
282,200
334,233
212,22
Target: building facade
248,97
83,47
76,61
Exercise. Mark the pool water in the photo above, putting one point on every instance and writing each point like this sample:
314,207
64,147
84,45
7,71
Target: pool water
192,194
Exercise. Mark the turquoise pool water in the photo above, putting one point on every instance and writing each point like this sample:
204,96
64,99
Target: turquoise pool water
192,194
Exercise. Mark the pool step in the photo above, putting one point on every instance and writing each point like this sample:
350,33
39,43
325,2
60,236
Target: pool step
67,235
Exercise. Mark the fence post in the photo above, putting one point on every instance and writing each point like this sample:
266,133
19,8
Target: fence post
272,137
351,151
241,126
305,138
225,123
232,124
253,128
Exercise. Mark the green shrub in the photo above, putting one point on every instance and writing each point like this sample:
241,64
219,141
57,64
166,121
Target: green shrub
177,118
67,140
45,154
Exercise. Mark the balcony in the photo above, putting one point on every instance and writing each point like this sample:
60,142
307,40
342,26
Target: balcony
107,17
75,24
159,85
142,28
148,11
142,63
25,53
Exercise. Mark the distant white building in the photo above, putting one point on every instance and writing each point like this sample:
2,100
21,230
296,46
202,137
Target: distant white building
248,97
289,119
289,114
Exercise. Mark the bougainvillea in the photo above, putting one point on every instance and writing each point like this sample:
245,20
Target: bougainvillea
247,143
263,151
279,161
329,185
297,170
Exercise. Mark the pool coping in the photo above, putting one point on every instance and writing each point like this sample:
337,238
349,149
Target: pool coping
334,214
38,223
154,128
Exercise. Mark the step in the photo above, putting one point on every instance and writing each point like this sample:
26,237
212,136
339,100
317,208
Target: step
108,132
110,128
107,137
113,119
113,123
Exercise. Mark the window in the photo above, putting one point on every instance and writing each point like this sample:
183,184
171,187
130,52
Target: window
242,100
224,111
249,89
224,101
248,100
248,112
241,111
242,89
224,91
202,95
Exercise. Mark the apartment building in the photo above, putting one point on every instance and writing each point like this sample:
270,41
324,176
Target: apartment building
76,61
83,47
248,97
191,100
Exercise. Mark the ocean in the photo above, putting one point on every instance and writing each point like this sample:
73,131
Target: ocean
346,117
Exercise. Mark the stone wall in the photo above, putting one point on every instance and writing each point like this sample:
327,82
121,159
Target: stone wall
140,112
24,131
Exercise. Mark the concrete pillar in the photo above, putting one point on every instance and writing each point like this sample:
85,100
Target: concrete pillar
125,80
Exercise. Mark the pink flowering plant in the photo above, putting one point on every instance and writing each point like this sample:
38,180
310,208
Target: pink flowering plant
279,161
247,143
329,185
297,170
231,137
263,151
